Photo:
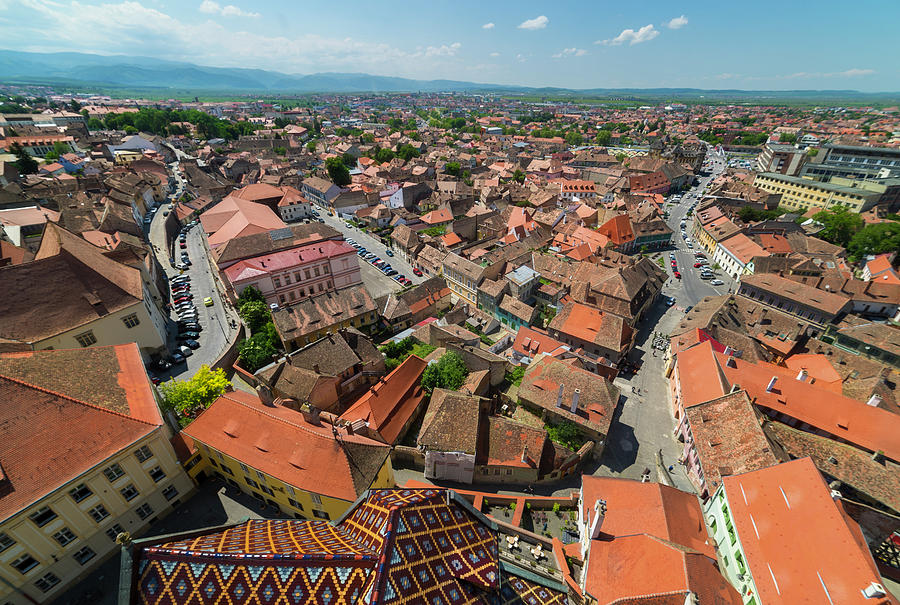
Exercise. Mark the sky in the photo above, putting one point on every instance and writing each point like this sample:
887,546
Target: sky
759,45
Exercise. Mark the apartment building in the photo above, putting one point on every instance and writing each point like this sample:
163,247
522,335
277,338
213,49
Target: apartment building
317,316
288,276
463,278
85,456
783,159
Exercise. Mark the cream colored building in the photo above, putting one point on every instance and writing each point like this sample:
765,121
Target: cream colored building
97,463
800,194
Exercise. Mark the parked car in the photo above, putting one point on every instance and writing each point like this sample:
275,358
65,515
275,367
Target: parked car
390,273
697,265
190,325
717,282
189,334
177,357
406,281
689,307
672,255
208,301
417,271
186,351
677,275
161,364
670,301
389,252
192,344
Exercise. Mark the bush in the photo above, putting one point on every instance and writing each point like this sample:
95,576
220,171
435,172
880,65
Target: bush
396,353
256,352
255,314
515,376
566,433
187,398
448,373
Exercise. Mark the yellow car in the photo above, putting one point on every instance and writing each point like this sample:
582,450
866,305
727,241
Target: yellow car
208,301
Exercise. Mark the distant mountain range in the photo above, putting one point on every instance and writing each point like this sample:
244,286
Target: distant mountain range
102,72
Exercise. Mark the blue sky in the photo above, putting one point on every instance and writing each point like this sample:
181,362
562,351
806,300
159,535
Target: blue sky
788,44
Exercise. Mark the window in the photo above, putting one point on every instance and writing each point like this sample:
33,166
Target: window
289,489
295,504
281,298
157,474
297,276
113,472
80,492
129,492
131,321
317,500
48,581
170,492
316,271
293,295
84,555
261,475
86,339
114,530
326,269
99,513
5,542
267,489
244,468
251,482
321,514
228,470
143,454
306,273
25,563
277,282
65,536
302,292
144,510
42,516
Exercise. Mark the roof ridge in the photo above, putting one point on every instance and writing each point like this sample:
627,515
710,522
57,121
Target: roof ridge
274,417
74,400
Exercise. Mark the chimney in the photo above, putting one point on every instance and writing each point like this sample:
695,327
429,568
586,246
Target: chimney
310,414
874,591
525,455
316,368
771,384
559,396
802,375
729,350
574,408
599,515
265,395
874,400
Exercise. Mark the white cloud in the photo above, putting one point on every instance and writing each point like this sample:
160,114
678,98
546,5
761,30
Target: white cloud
520,58
214,8
536,23
852,73
444,50
644,34
495,54
570,52
677,22
849,73
487,26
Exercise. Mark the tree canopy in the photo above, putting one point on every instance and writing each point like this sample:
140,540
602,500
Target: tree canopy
338,171
24,162
840,225
255,314
188,398
875,239
448,373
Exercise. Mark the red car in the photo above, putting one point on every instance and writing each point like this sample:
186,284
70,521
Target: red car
417,271
696,265
677,275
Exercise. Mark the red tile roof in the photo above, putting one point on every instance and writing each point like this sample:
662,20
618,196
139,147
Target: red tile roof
280,442
799,544
389,405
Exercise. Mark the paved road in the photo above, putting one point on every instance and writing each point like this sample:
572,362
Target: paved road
214,320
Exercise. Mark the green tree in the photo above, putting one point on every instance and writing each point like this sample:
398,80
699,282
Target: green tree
74,106
448,373
250,293
518,176
407,152
812,152
452,168
840,225
348,160
279,150
603,138
621,157
875,239
256,351
255,314
59,148
311,147
24,162
337,171
95,124
566,433
573,139
188,398
787,137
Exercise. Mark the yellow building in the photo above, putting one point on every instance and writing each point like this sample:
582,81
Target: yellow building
317,316
463,278
85,456
286,458
800,194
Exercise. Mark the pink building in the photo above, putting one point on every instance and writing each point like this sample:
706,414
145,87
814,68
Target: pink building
289,276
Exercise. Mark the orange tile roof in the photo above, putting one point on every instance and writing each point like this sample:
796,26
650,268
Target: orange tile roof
388,405
451,239
530,342
435,217
618,229
281,443
818,367
653,541
799,545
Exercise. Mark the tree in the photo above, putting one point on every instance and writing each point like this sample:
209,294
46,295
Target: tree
812,152
573,139
448,373
621,157
875,239
311,147
787,137
256,351
407,152
603,138
255,314
74,106
279,150
250,293
840,225
24,162
518,176
348,160
452,168
337,171
566,433
59,148
188,398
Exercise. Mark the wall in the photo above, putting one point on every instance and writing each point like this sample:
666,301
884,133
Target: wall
408,457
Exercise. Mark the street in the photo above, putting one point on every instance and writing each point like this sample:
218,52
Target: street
214,320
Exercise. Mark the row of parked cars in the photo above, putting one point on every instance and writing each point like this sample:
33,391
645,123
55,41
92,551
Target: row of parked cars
188,323
379,264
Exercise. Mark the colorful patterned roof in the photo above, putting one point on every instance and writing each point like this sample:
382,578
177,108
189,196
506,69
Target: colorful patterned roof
393,547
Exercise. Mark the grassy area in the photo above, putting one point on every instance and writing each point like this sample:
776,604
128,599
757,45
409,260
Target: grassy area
396,353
